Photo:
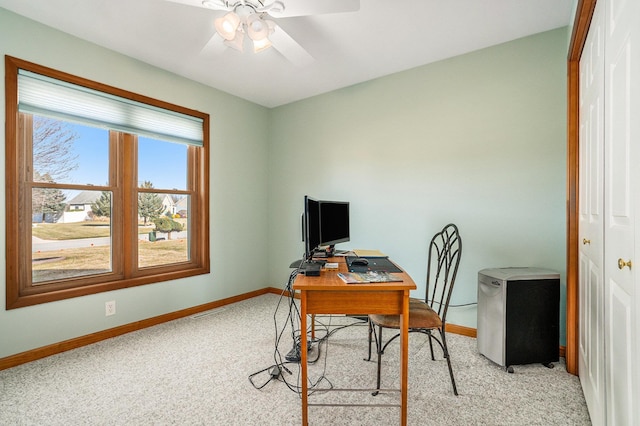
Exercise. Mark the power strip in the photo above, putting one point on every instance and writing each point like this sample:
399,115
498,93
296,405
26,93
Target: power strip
294,354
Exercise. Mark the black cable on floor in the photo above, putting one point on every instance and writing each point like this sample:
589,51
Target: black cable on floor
276,371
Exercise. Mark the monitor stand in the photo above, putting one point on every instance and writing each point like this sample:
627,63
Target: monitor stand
327,252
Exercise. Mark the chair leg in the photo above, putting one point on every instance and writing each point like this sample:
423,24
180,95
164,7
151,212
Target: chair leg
433,358
446,355
370,336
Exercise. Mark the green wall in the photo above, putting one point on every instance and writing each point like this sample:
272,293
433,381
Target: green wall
479,140
238,185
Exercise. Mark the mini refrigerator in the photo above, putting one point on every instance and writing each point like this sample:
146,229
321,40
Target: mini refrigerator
518,316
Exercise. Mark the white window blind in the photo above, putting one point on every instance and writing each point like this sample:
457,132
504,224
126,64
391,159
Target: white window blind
41,95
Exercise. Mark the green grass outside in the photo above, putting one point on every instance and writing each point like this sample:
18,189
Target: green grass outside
68,263
76,262
77,230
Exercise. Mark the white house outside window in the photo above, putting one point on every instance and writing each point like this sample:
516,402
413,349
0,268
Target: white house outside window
107,189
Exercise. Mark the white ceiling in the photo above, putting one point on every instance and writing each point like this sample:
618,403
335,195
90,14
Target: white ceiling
382,38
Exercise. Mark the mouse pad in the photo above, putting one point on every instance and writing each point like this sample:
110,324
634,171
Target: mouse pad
375,264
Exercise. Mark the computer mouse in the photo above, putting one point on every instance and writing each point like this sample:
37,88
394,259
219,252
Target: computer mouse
360,261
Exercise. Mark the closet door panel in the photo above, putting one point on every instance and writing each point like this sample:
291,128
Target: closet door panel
591,221
619,359
621,299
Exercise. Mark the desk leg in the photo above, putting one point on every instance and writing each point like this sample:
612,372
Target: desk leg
303,355
313,327
404,361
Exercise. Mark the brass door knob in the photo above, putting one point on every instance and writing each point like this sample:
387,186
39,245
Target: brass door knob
622,263
585,241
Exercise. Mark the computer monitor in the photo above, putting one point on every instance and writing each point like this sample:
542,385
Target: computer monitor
324,223
334,223
311,226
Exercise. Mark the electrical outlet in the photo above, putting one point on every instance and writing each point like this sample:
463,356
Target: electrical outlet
110,308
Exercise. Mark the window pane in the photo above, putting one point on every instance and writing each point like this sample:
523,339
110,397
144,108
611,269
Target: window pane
79,242
166,240
65,152
163,164
70,234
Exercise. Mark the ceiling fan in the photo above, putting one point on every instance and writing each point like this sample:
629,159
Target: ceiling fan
251,18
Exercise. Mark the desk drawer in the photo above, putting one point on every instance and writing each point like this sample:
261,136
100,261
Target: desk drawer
354,302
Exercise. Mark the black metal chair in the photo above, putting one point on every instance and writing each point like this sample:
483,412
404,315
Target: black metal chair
429,314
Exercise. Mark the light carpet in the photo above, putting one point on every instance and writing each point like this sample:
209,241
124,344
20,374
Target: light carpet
195,371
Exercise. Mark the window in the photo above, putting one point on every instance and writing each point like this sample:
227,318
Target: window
105,189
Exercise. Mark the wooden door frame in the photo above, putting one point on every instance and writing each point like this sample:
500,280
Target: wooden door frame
584,13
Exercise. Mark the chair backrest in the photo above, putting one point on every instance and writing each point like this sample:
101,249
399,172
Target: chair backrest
445,250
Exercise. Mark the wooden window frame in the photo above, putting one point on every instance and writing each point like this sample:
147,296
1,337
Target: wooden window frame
122,175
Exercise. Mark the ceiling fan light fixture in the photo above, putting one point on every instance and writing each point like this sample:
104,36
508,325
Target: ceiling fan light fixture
260,45
257,28
236,42
227,26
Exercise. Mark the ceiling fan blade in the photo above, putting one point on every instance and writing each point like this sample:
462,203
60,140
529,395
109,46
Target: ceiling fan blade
214,46
291,8
289,48
312,7
211,4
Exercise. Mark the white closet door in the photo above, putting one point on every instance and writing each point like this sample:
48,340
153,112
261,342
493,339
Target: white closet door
622,139
591,358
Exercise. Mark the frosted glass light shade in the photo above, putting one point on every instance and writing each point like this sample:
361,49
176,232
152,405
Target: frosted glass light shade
260,45
257,28
236,42
227,25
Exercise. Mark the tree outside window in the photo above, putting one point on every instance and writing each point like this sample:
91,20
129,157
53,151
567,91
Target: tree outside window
80,217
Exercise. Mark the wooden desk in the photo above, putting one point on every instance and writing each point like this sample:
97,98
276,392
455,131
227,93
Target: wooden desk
328,294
